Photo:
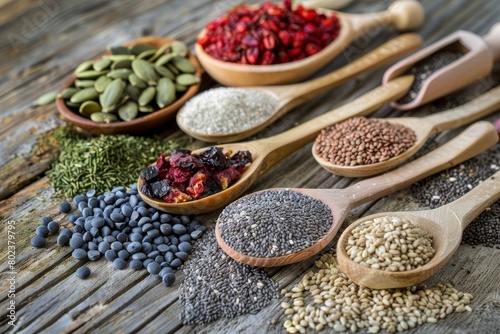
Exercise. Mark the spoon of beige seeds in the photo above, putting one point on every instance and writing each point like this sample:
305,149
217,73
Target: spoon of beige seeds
401,249
472,141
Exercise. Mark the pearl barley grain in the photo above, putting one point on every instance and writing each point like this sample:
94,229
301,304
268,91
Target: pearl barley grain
226,110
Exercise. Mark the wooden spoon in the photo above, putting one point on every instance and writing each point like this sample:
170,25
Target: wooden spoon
472,141
268,151
445,224
290,96
403,14
424,128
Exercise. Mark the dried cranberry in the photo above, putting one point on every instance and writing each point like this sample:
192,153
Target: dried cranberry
227,177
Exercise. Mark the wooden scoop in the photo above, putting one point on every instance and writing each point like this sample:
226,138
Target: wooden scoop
291,96
424,128
403,14
479,55
472,141
268,151
445,224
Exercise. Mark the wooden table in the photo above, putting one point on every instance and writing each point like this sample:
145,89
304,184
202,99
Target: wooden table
41,43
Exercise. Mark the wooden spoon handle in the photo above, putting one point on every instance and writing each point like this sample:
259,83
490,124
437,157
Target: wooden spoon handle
469,206
294,95
467,113
492,38
277,147
474,140
403,14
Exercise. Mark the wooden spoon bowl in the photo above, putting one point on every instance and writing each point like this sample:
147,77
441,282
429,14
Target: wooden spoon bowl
424,128
269,151
472,141
444,224
142,123
404,14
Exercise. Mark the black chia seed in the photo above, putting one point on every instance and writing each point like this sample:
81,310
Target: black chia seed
424,68
216,286
449,185
274,223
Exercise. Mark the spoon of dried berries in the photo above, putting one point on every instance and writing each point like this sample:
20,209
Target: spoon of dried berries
228,114
272,44
444,224
378,145
268,151
249,233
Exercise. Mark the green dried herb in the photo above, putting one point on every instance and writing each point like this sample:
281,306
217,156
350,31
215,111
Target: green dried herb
102,163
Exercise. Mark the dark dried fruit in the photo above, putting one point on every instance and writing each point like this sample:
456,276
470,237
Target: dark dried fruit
159,188
214,157
149,173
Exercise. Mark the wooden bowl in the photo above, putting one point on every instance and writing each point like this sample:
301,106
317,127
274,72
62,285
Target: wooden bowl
140,124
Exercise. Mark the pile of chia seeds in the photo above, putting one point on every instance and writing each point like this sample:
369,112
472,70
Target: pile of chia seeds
216,286
274,223
425,68
449,185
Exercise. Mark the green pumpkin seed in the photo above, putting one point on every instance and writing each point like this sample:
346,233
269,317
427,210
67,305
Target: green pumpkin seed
128,111
118,50
101,83
91,74
180,88
86,94
121,73
147,96
73,105
133,92
145,71
146,54
173,68
86,65
187,79
184,65
136,82
102,64
102,117
84,83
67,93
164,72
146,109
87,108
165,92
111,95
159,52
120,57
125,63
165,58
139,48
46,98
180,48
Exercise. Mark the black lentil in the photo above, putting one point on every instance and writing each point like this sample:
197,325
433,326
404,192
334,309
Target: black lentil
153,268
449,185
63,240
79,254
136,264
46,220
274,223
42,231
119,263
93,255
83,272
168,279
110,255
38,241
65,207
53,227
425,68
217,286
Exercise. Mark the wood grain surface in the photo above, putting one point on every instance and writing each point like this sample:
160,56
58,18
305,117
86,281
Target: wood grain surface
40,44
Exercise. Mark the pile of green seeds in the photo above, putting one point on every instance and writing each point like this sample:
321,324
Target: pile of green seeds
130,82
101,162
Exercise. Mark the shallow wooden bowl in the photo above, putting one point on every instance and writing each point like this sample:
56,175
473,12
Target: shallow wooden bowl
140,124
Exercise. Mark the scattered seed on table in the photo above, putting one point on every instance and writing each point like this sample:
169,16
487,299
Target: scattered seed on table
42,231
46,220
79,254
168,279
153,268
53,227
38,241
136,264
274,222
93,255
83,272
65,207
63,240
119,263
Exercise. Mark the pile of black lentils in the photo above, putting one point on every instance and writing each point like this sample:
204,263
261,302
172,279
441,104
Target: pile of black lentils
126,231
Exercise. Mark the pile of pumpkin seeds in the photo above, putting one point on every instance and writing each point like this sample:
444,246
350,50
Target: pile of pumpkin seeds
130,82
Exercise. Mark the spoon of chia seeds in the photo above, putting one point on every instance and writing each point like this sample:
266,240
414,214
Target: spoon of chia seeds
267,152
228,114
445,224
423,128
239,238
